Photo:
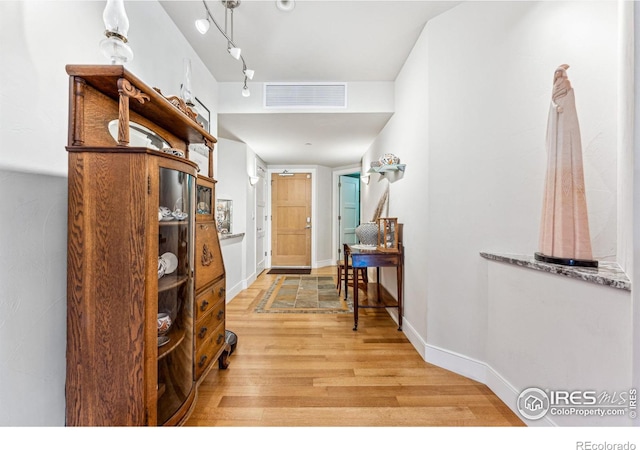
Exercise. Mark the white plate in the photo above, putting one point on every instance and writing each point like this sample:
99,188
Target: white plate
172,262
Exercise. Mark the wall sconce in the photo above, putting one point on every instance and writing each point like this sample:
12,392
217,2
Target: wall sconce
116,25
365,178
253,180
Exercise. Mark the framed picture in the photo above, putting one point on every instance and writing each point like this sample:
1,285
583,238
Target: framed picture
204,116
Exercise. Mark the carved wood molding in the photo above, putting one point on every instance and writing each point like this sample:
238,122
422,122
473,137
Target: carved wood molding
127,91
181,105
126,88
207,256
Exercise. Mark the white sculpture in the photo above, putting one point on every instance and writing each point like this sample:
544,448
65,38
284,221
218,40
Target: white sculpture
564,229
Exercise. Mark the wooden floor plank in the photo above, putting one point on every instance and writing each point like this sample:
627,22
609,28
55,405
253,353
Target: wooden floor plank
314,370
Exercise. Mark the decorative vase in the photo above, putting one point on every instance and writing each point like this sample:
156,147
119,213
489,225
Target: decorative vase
367,233
389,159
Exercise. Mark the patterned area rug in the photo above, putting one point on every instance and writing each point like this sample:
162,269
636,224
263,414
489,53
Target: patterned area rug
304,294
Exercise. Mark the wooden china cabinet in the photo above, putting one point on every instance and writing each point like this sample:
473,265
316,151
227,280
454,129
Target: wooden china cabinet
133,261
210,285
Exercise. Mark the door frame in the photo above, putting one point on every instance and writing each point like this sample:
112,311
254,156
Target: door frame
261,172
335,231
279,169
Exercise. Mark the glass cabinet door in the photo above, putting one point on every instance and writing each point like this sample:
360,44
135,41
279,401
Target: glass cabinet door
204,200
175,291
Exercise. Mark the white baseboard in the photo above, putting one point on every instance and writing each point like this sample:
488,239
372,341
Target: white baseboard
250,279
325,263
482,373
470,368
231,292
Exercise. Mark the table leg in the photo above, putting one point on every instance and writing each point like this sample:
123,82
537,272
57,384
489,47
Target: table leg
379,292
344,276
355,299
400,277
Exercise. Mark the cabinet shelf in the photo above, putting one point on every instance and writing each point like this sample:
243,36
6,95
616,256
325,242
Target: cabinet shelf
172,223
387,168
171,281
158,109
176,336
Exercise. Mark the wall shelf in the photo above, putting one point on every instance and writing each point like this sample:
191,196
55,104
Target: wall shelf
387,168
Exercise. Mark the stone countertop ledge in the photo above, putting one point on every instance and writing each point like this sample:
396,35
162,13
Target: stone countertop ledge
606,274
223,236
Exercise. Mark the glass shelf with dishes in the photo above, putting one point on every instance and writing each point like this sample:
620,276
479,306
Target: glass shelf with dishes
175,290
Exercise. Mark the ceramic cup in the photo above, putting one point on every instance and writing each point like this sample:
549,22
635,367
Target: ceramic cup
162,267
164,323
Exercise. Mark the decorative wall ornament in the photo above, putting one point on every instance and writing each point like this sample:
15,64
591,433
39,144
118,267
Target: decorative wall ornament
388,159
564,228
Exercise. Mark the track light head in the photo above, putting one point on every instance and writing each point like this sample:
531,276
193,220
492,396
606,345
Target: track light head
235,52
202,25
245,90
249,73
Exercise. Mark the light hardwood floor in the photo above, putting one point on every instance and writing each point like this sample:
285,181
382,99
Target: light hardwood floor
314,370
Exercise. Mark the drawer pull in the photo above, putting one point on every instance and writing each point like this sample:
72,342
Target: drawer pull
203,360
220,338
221,292
204,305
207,256
220,314
203,332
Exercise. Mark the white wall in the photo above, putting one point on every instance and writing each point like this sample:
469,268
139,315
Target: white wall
38,39
324,222
489,87
470,122
553,333
236,161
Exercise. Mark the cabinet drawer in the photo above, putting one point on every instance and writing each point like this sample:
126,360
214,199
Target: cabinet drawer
209,265
209,323
209,298
209,350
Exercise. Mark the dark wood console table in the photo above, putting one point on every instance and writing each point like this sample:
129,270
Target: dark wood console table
363,258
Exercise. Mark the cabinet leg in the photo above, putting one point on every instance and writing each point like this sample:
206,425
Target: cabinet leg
223,360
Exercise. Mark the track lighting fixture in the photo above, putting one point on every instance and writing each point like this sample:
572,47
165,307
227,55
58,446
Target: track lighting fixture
245,89
202,26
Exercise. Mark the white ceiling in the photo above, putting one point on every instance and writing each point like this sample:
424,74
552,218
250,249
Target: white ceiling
318,41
